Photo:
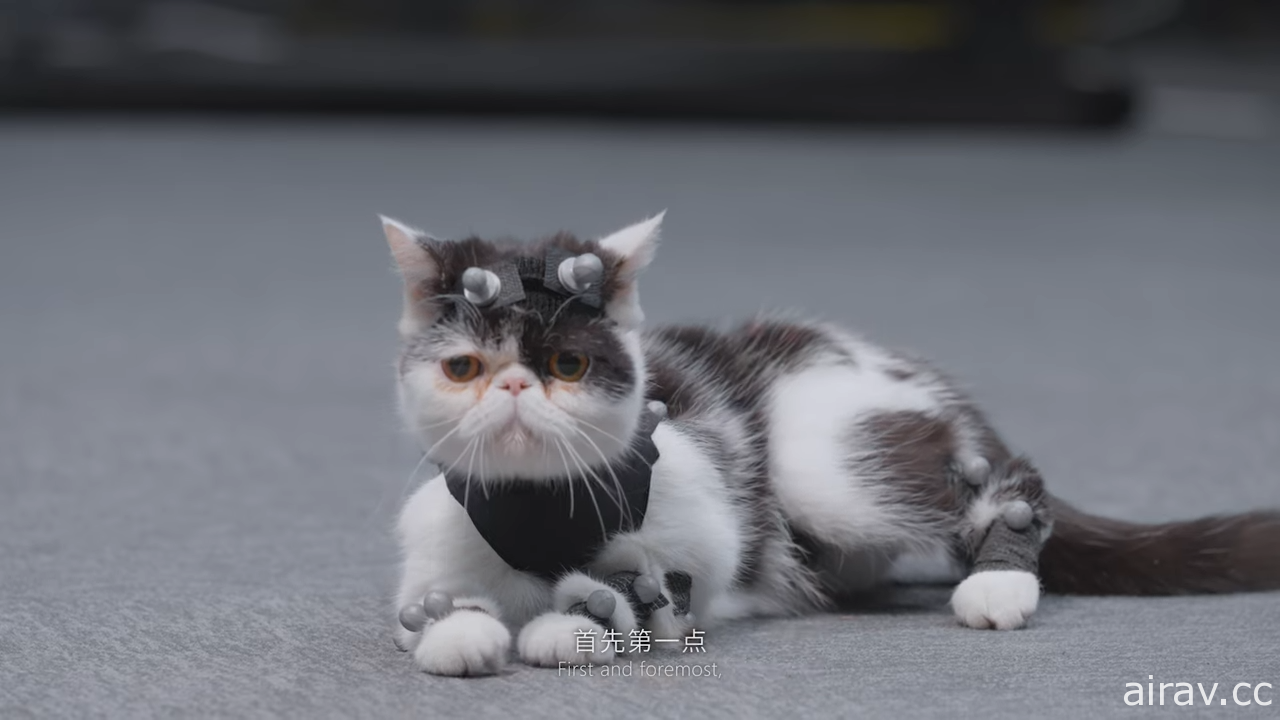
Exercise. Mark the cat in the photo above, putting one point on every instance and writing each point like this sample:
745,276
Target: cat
790,465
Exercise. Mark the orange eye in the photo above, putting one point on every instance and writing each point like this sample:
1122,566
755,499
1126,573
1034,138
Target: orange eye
462,368
569,367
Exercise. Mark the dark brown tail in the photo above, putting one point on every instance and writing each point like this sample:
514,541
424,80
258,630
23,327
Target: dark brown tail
1089,555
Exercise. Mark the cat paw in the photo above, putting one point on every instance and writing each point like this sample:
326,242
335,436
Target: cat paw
555,638
467,642
999,599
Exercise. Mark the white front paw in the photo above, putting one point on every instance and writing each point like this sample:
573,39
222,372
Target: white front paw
553,638
1000,599
467,642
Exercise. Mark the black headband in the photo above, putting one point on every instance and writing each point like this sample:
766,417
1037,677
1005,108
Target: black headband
536,282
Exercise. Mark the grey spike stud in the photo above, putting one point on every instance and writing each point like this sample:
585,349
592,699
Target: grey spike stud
646,589
581,272
437,604
601,604
1017,515
976,469
659,408
413,617
480,286
588,270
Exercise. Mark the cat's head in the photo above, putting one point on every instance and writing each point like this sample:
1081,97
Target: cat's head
545,381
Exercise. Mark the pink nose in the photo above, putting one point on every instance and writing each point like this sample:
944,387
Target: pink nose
515,385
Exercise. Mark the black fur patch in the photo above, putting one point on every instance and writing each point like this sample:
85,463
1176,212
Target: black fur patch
544,324
611,370
913,453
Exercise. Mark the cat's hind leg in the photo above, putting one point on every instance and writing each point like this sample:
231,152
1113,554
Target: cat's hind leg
869,467
864,466
1007,524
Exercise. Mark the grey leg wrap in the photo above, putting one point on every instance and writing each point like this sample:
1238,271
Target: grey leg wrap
641,592
1007,549
1015,537
643,599
680,585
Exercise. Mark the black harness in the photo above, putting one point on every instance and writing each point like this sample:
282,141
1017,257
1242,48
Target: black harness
548,527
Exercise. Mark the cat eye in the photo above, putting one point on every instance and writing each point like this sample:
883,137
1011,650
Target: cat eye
462,368
569,367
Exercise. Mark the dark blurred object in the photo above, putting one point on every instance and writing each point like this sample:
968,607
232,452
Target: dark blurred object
979,61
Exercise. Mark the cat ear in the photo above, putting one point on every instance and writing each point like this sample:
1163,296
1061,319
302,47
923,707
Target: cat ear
417,267
634,246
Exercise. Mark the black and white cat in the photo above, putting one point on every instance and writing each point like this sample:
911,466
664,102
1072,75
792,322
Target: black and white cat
796,464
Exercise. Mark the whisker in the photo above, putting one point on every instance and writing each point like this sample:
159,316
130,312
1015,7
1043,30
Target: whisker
416,469
628,449
455,462
603,432
466,493
465,307
483,485
403,491
567,472
624,505
409,480
556,315
436,424
446,437
577,460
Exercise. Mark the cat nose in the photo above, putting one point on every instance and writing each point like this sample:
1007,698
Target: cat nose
514,385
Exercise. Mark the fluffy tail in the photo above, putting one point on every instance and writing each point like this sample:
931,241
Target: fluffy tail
1089,555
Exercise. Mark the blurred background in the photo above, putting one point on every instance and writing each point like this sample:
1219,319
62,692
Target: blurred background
1033,61
1073,206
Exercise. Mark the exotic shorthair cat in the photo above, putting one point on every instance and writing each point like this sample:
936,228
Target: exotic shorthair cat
603,481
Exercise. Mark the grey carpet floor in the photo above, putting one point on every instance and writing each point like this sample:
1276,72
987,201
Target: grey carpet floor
199,458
